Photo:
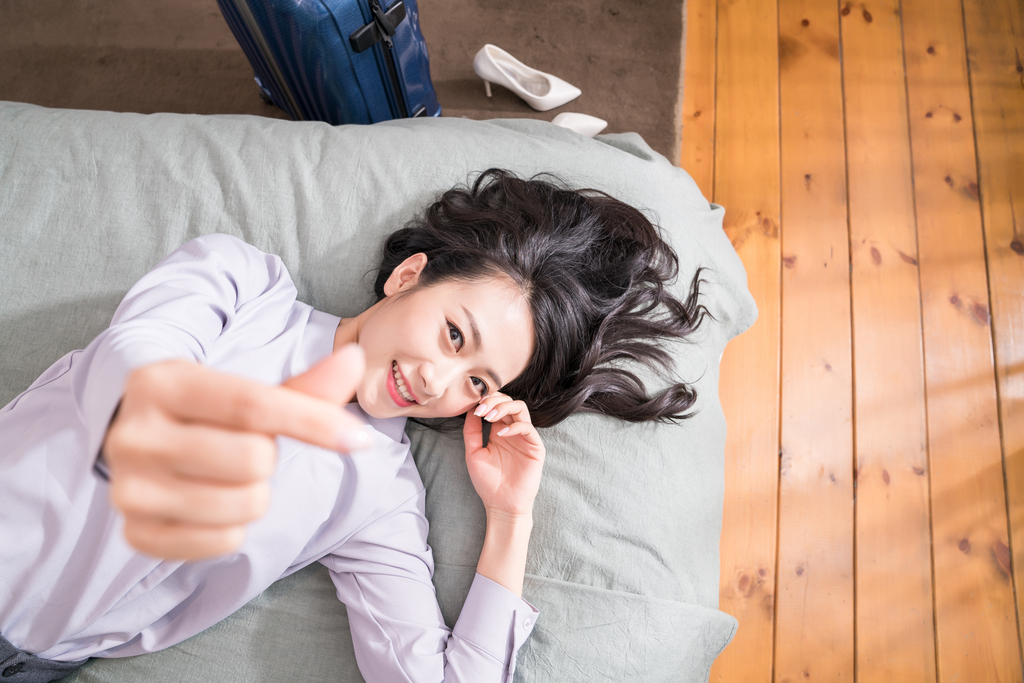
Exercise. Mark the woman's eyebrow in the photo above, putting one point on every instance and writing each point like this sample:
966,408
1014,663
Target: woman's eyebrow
479,346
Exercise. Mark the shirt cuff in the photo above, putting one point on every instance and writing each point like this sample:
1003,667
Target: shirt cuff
98,389
496,620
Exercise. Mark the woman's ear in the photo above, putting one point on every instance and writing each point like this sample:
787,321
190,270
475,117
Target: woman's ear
405,275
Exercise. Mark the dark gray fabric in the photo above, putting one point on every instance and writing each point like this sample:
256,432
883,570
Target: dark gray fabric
20,667
623,561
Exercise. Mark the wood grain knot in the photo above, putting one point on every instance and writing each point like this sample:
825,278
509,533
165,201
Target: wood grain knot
965,546
1001,554
928,115
696,114
970,190
867,16
931,50
805,22
1017,246
907,257
789,49
949,181
979,312
955,300
768,604
957,117
919,471
799,571
789,261
876,255
846,10
762,572
885,477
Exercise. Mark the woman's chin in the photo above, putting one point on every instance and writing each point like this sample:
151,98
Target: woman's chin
389,409
374,410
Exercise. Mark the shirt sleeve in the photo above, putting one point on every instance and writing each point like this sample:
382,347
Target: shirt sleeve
177,310
383,573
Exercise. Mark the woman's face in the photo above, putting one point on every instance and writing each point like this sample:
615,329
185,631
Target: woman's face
436,351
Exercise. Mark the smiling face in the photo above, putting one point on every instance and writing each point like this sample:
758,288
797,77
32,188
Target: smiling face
436,351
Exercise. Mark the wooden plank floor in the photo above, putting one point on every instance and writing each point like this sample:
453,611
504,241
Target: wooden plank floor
870,157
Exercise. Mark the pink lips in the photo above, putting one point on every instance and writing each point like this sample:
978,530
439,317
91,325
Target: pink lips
393,388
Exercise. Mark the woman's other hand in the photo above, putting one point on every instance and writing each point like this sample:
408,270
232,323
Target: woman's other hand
191,450
506,472
506,475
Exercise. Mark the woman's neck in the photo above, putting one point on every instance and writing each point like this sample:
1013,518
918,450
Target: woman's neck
349,328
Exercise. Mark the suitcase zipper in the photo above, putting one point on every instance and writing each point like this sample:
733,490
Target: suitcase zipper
389,56
381,29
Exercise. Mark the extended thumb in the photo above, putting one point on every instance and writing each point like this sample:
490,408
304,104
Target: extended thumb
335,377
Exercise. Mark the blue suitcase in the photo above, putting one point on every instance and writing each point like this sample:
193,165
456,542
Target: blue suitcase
339,61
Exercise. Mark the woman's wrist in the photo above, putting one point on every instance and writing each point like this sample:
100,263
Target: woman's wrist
503,557
505,521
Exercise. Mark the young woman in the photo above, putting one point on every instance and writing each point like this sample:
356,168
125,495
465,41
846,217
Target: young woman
189,457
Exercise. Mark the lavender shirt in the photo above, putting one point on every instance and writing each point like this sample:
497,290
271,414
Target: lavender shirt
70,585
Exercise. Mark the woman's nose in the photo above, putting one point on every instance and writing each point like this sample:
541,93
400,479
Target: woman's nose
437,377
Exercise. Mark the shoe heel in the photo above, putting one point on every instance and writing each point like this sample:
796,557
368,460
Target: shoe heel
487,87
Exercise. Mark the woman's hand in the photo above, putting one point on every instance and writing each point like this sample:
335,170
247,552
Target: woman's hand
506,476
506,472
191,450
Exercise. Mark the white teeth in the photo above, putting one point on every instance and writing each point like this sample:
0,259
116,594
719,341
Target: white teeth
402,391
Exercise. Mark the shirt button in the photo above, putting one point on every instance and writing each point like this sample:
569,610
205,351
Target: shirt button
527,623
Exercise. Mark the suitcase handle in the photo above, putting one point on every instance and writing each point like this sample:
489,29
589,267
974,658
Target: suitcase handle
381,28
383,20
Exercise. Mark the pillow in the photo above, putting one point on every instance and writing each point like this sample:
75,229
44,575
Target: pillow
624,558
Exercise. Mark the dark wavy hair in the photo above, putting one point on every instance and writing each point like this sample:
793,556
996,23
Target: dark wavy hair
594,271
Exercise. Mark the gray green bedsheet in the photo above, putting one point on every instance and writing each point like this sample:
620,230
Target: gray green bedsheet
624,559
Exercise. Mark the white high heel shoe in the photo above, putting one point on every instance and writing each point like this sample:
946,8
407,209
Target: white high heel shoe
584,124
540,90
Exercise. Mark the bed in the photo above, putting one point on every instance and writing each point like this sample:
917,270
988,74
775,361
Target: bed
624,557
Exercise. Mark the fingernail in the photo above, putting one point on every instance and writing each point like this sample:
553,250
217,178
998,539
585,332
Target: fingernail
491,415
480,409
502,432
354,439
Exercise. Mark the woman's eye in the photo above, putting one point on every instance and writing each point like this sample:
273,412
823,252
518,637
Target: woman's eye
456,336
